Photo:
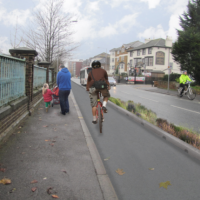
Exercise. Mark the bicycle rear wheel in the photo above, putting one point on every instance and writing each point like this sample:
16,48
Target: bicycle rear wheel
191,94
100,118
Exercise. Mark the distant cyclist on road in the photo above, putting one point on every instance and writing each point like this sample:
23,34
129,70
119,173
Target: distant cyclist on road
97,74
183,79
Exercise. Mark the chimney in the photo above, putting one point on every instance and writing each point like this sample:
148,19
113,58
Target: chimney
168,42
147,40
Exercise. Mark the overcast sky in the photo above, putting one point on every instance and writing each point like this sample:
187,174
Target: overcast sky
102,24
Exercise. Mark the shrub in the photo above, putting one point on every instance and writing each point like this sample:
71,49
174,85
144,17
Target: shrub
172,77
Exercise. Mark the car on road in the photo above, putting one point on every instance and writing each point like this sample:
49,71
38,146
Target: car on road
112,81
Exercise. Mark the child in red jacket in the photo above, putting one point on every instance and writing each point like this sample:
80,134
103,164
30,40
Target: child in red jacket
46,92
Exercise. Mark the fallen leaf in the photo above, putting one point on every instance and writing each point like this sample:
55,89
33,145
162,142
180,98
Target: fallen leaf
151,169
34,181
45,126
11,191
64,171
52,144
55,196
34,189
53,141
23,152
5,181
39,119
164,184
47,140
106,159
80,117
65,124
18,132
20,127
49,190
120,171
2,169
45,178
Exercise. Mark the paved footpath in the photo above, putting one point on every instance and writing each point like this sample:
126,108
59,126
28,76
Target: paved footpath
51,149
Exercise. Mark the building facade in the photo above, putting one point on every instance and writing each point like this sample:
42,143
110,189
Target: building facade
153,55
119,57
75,67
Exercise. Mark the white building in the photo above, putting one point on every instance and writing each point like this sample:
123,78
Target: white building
156,54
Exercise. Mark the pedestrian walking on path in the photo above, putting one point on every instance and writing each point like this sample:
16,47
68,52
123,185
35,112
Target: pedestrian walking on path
64,85
46,92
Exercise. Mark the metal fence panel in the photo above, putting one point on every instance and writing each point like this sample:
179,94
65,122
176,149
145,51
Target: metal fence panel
50,76
39,77
12,79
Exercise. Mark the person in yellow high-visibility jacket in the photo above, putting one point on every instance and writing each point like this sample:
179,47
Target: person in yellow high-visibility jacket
183,79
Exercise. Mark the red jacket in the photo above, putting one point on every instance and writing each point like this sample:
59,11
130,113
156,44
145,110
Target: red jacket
47,96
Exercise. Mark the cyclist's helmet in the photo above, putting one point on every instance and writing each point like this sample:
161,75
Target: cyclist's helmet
96,64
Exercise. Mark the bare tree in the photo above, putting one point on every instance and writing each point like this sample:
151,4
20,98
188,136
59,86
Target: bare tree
50,32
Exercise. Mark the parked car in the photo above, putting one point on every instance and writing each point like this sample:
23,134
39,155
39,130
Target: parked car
112,81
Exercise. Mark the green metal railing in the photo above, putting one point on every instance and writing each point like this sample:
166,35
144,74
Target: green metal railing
39,76
12,79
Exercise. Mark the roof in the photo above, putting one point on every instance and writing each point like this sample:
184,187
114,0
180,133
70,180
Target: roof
131,44
153,43
102,55
11,57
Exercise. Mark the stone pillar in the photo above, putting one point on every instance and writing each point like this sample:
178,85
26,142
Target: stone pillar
29,55
46,65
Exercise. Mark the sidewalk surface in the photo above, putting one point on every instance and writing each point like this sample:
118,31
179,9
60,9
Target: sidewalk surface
51,149
159,90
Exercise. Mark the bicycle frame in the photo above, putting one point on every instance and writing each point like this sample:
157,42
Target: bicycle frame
191,93
99,104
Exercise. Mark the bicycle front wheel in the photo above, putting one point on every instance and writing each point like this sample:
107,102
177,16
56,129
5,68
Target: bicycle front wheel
191,94
100,118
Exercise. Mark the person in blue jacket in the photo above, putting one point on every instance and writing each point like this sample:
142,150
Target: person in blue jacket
64,85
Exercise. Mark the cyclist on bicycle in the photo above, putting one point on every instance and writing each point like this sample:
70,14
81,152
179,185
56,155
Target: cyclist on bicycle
97,74
183,78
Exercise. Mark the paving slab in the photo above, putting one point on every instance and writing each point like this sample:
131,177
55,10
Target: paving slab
51,149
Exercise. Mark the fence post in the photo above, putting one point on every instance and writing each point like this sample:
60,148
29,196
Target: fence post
46,65
52,74
29,55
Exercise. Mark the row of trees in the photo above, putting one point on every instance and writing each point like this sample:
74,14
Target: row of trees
186,49
49,33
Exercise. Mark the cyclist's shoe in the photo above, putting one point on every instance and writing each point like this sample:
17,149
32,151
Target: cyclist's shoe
102,119
104,109
94,122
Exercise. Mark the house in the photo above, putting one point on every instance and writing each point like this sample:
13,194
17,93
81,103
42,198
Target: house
153,55
119,56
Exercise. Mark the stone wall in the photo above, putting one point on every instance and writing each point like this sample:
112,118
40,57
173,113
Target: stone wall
164,84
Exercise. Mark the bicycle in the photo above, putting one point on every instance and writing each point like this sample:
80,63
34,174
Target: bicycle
99,111
190,92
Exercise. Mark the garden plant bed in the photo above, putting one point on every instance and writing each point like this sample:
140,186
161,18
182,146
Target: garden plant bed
184,134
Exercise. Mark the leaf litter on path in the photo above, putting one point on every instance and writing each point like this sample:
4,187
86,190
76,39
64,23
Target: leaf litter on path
151,169
34,189
5,181
120,171
164,184
2,169
55,196
106,159
34,181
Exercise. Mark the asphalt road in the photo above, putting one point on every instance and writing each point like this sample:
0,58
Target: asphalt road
179,111
129,146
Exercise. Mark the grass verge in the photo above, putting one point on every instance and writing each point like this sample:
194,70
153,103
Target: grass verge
189,136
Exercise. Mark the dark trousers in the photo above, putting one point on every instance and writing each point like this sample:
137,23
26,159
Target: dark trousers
64,103
183,85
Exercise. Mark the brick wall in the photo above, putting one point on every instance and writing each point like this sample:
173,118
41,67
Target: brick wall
164,84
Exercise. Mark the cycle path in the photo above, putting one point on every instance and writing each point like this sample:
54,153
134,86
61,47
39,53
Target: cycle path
127,145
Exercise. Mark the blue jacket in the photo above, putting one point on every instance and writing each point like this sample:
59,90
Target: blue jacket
64,79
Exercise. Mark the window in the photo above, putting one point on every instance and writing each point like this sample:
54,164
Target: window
117,52
136,60
138,52
143,51
113,53
131,54
118,59
160,58
113,67
122,58
131,62
122,66
149,50
149,61
113,60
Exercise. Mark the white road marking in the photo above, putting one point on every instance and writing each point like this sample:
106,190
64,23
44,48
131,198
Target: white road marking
148,99
185,109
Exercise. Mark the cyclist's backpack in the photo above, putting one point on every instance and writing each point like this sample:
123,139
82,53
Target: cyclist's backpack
101,84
